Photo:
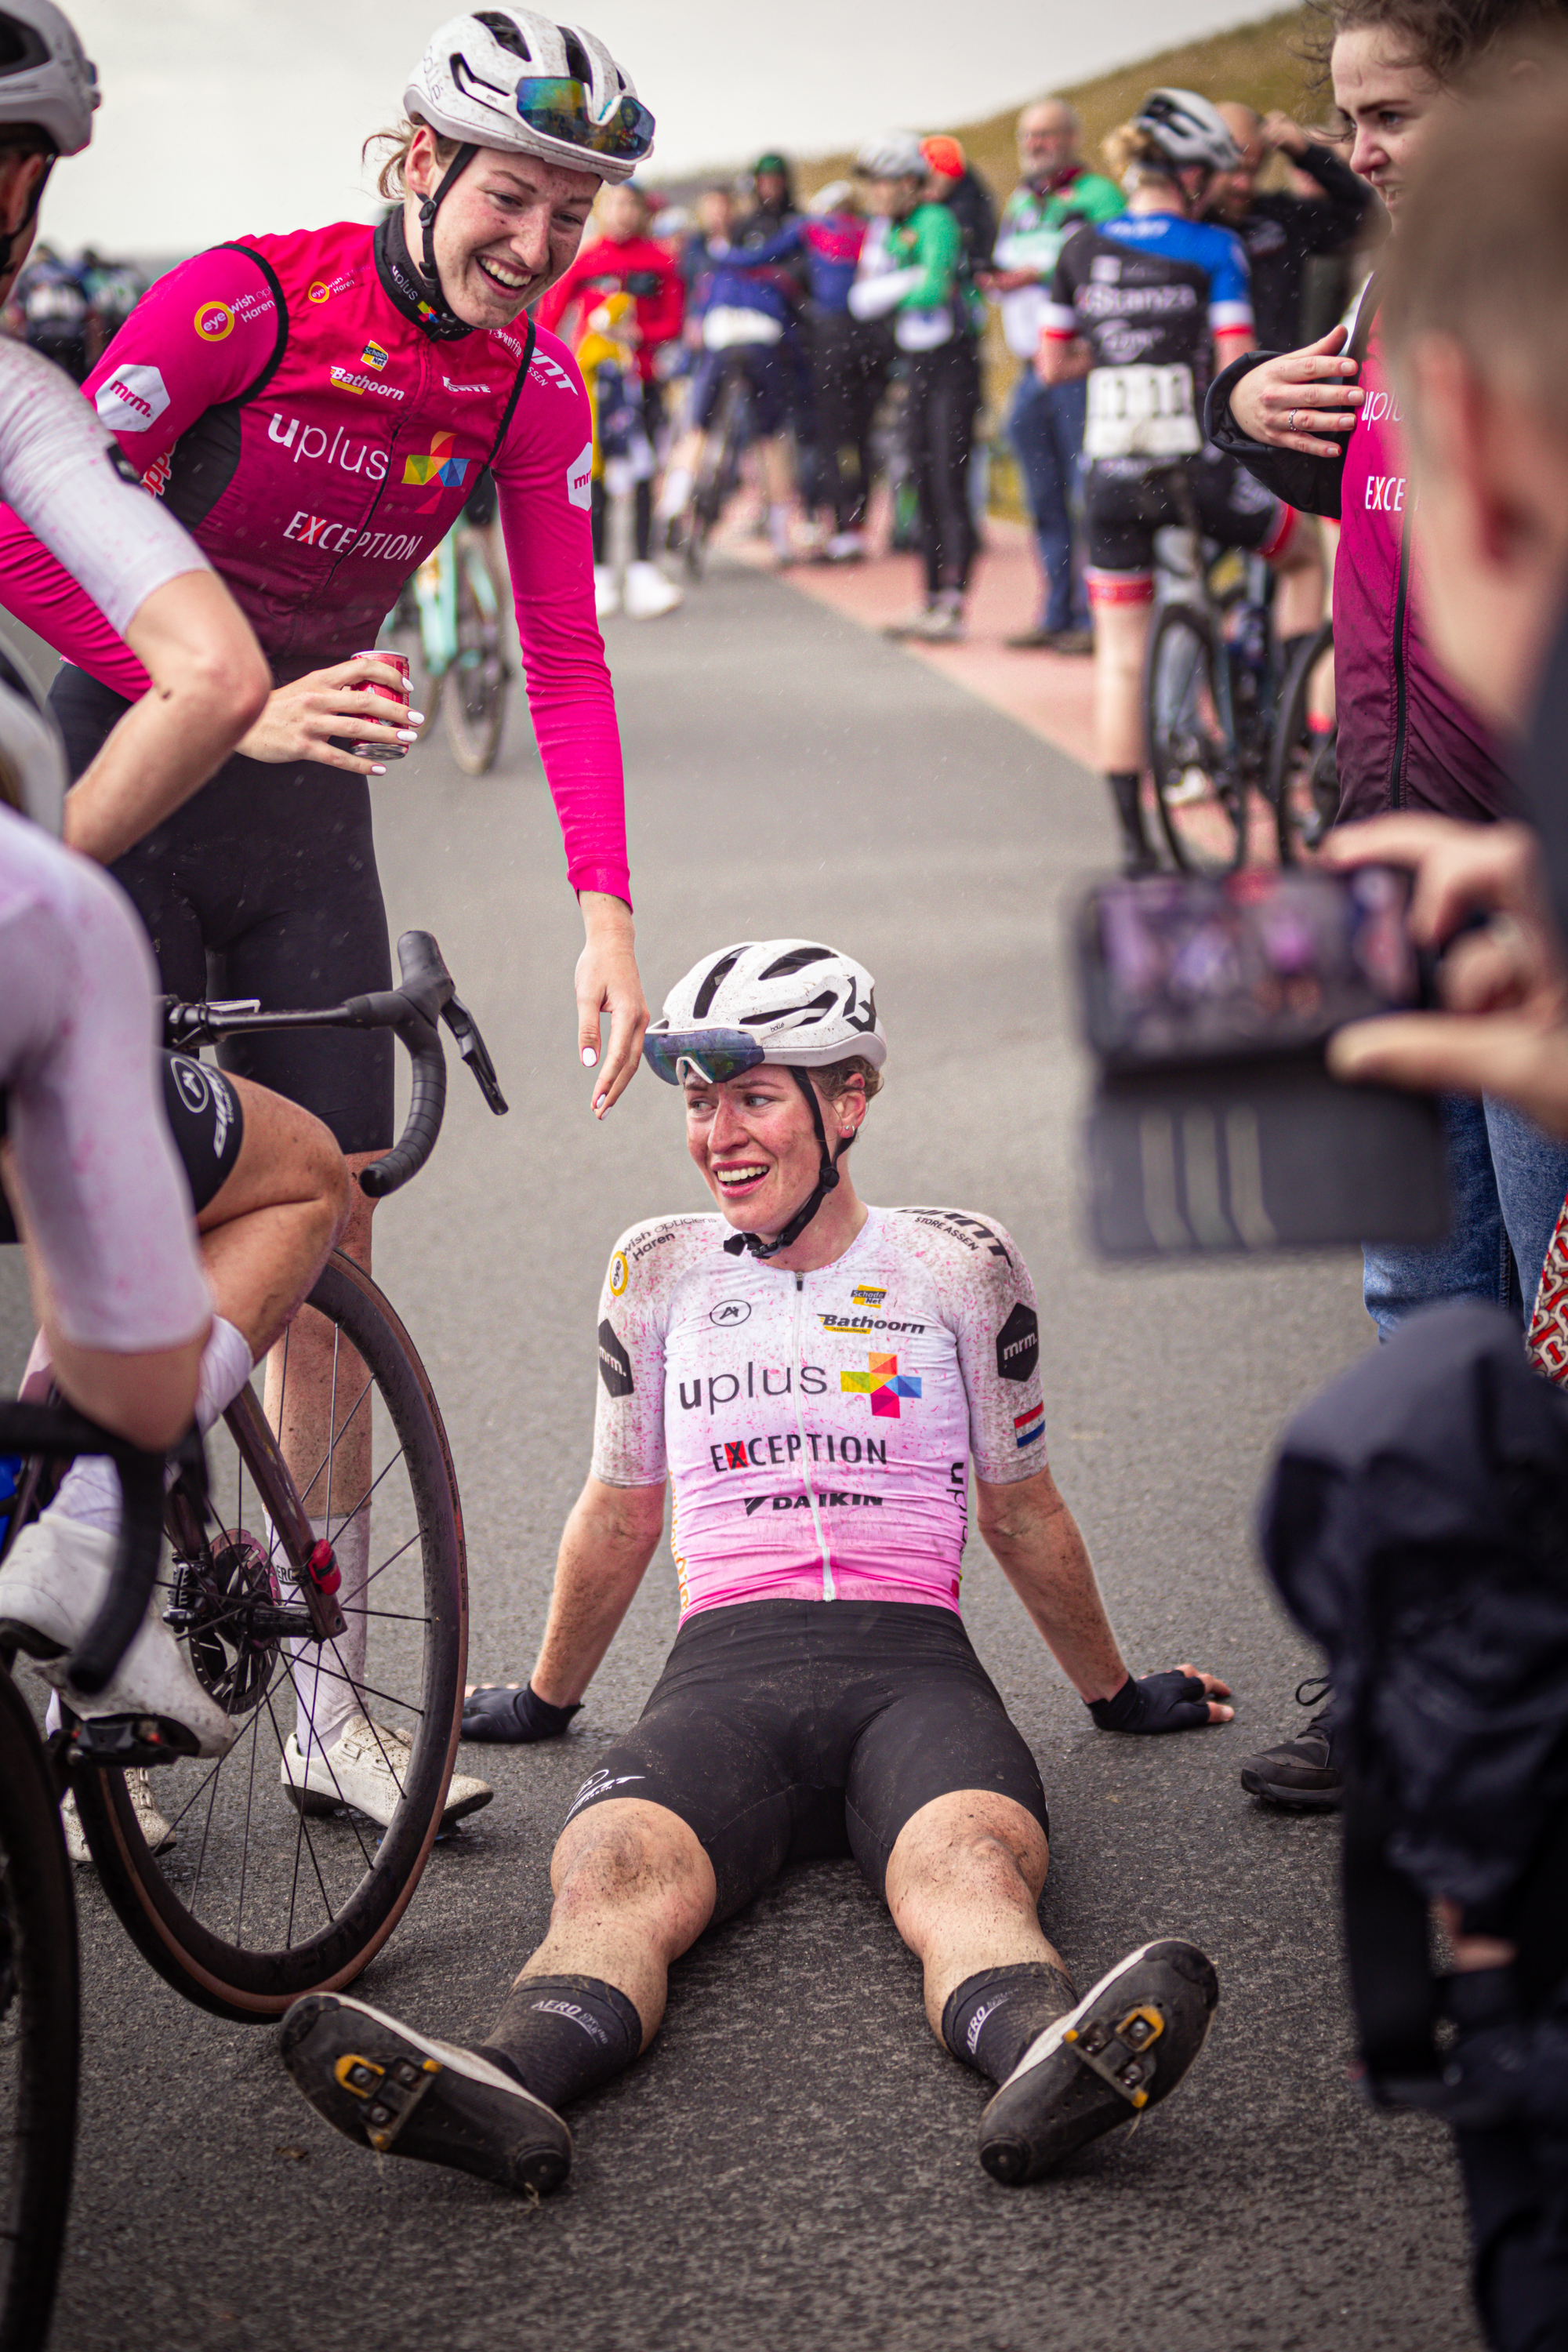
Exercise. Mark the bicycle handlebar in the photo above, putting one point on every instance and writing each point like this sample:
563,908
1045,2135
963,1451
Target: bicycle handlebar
411,1010
55,1429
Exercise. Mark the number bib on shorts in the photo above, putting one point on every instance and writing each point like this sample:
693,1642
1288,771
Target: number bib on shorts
1142,412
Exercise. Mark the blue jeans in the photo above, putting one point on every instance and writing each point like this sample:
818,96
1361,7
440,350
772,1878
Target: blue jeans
1507,1181
1045,424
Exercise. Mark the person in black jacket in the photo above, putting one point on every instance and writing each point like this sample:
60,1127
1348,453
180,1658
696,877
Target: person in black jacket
1281,232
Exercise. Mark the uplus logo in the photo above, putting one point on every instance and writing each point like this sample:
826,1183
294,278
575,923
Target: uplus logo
132,398
580,477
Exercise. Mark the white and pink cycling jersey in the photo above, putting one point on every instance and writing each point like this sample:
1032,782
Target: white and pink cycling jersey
818,1429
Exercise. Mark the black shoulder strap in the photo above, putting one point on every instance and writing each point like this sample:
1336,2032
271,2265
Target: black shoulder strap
521,379
280,341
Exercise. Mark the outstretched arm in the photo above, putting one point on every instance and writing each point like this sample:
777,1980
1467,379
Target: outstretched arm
1033,1534
610,1536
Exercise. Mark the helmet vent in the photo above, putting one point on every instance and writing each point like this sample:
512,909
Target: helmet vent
817,1008
796,961
506,32
20,46
577,63
471,84
709,988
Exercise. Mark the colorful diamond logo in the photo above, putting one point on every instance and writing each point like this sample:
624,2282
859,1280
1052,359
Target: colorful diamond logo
439,468
883,1383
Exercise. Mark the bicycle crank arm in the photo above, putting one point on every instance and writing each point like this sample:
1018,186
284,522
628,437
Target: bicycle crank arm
311,1568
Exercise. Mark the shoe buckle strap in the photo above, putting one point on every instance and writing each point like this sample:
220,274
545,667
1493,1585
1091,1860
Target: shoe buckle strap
392,2092
1118,2054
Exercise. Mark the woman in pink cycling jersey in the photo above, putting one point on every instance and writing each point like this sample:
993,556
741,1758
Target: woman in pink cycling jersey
316,408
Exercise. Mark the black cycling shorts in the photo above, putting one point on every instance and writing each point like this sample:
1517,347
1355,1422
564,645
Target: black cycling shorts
768,372
264,884
205,1120
1124,505
790,1731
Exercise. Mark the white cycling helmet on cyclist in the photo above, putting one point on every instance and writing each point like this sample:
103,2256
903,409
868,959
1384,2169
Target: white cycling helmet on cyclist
788,1001
45,76
892,156
508,78
1188,129
32,756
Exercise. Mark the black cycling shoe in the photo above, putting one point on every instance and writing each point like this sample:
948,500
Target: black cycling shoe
1124,2048
1301,1773
378,2082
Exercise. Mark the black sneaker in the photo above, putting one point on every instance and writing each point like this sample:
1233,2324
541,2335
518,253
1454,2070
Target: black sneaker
1301,1773
378,2082
1124,2048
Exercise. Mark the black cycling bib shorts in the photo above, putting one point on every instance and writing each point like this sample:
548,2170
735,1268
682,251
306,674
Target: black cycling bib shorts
207,1120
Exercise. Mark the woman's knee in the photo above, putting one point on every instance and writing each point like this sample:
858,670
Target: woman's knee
630,1856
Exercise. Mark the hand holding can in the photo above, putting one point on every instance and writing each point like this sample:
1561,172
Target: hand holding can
399,661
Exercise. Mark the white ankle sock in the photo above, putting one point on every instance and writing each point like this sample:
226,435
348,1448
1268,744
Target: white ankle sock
673,496
327,1674
778,528
90,1491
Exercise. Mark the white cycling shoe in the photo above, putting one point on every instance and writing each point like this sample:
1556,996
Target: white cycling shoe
648,594
51,1589
157,1830
607,593
367,1765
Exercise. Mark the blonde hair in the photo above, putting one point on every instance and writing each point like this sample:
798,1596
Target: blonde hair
390,180
1130,148
834,1081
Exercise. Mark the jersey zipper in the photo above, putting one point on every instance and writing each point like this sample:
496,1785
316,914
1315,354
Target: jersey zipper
829,1589
1401,606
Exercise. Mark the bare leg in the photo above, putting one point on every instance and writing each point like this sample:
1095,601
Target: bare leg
964,1882
1120,634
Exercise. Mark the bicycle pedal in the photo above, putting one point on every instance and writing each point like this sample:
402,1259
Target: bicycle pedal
392,2092
1118,2054
116,1742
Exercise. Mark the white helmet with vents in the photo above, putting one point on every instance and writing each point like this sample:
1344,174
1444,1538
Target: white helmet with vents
508,78
1189,129
789,1001
45,77
893,155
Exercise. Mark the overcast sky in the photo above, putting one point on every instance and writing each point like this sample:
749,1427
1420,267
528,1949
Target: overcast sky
226,116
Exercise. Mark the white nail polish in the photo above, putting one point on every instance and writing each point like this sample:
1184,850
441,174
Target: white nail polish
417,717
378,771
590,1059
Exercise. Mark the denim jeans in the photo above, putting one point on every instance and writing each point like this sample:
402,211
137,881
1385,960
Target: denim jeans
1507,1181
1045,424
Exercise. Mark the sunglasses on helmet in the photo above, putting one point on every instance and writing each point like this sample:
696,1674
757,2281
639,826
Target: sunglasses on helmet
711,1055
557,107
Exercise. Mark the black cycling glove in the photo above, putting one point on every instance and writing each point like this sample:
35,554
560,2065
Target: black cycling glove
1169,1702
514,1716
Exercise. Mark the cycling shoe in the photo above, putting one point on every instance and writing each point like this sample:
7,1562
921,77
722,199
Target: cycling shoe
50,1589
1124,2048
382,2084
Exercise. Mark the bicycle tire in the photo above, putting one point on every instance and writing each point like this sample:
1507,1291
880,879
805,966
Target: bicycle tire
1303,776
1200,801
474,705
225,1973
715,476
40,2036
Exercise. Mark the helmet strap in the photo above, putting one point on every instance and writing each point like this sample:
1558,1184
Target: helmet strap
429,206
826,1182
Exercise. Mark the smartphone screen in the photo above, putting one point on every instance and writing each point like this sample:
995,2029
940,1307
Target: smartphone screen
1180,968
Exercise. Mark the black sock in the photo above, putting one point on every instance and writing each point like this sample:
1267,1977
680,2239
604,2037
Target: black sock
1288,649
1125,786
992,2019
563,2036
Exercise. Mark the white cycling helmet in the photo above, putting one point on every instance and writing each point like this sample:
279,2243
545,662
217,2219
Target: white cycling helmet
894,155
45,77
1188,129
32,755
780,1001
508,78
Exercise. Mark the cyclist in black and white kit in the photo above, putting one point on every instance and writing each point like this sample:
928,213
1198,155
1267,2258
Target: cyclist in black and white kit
1142,304
814,1380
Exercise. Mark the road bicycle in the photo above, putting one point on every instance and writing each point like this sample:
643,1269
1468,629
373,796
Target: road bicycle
449,621
261,1896
1211,682
1303,769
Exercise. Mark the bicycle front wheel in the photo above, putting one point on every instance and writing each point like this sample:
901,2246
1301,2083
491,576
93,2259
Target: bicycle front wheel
1303,770
1197,783
475,703
278,1883
39,2031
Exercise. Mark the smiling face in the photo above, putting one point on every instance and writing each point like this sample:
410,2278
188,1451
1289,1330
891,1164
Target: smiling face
753,1140
508,228
1391,104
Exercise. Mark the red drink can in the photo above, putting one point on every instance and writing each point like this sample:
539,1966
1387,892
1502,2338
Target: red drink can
399,661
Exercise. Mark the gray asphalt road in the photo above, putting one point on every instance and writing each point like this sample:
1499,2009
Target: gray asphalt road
793,2165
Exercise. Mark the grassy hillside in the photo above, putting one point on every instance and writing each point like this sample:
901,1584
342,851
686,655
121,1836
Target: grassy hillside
1259,64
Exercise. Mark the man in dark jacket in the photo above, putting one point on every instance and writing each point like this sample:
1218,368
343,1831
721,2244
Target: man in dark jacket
1281,233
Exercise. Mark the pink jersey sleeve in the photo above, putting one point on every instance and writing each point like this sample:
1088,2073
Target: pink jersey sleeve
543,472
202,336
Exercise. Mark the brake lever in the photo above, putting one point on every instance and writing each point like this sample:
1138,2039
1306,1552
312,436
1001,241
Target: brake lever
475,1052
